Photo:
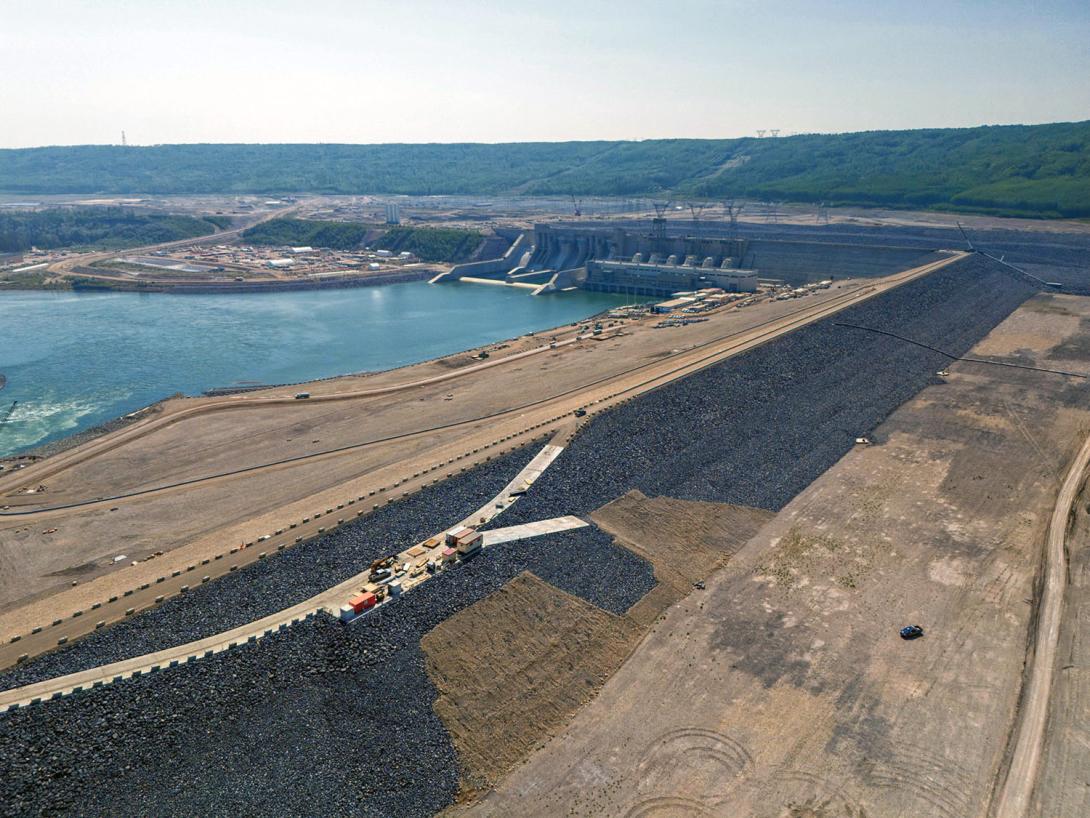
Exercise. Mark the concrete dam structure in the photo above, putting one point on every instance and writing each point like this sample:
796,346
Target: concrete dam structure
618,259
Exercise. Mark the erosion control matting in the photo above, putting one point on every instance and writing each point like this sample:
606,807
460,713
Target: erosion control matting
512,668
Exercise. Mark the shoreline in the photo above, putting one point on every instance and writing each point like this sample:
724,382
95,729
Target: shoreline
50,448
78,284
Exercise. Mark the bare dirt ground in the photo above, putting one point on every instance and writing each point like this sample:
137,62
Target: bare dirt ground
556,650
553,648
40,557
686,541
784,690
1063,789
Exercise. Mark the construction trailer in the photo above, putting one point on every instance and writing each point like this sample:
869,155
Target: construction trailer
465,541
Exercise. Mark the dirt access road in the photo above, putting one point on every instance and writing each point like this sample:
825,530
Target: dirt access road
1022,775
784,689
206,515
64,268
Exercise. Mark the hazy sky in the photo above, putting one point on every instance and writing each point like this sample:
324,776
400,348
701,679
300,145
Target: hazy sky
80,71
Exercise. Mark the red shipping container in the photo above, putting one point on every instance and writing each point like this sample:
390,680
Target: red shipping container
362,602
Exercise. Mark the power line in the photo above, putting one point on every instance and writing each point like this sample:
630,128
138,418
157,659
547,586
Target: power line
953,357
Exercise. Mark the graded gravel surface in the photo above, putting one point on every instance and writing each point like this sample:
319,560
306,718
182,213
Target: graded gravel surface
686,541
1063,789
320,719
799,697
757,429
291,576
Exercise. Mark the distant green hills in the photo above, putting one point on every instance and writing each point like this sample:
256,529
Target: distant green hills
106,228
1040,170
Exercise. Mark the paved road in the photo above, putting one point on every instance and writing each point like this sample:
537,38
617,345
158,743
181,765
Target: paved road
1014,797
496,536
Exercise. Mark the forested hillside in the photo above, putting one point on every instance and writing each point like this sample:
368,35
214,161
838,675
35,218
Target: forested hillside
1032,169
426,243
105,227
301,232
431,243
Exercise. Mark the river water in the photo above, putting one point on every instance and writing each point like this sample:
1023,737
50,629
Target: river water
73,360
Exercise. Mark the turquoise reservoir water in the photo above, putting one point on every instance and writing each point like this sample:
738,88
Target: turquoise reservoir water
73,360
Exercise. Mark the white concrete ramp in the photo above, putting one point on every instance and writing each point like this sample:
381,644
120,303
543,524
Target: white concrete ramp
515,489
527,530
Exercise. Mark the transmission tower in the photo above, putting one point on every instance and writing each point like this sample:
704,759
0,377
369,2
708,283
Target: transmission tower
696,210
761,133
577,206
658,224
823,213
774,132
123,142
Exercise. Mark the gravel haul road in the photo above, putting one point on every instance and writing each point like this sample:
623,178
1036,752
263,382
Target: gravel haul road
1014,797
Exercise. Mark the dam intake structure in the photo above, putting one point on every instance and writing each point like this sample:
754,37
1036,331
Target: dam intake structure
628,260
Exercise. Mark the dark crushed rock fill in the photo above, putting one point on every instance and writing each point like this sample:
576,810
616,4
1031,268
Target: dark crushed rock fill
757,429
284,579
321,719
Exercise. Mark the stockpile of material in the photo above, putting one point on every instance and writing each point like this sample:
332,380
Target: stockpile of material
320,719
757,429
